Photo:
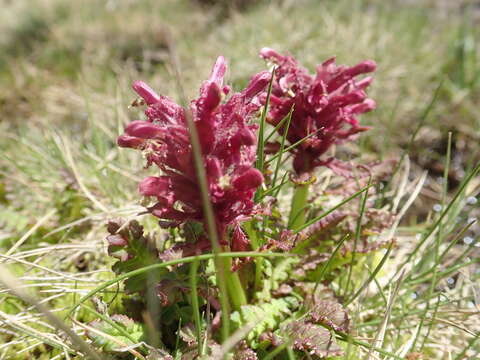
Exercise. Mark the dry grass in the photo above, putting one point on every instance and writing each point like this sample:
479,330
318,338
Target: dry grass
65,70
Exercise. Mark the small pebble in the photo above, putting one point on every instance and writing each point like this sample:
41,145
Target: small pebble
467,240
471,200
437,207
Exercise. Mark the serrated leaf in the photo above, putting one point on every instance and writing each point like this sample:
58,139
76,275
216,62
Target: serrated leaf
133,250
188,335
134,330
323,307
275,275
244,352
330,314
158,354
312,339
267,317
214,352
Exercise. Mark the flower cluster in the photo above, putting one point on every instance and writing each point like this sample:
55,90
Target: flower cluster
228,143
325,106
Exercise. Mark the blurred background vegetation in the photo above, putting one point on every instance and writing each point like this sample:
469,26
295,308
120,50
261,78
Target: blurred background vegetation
66,69
67,66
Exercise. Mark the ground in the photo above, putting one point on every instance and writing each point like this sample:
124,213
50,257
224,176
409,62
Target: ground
65,75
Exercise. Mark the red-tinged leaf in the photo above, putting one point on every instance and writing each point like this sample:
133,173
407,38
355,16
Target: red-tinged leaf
312,339
323,307
244,352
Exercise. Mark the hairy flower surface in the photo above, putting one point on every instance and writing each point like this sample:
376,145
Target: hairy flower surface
325,106
228,143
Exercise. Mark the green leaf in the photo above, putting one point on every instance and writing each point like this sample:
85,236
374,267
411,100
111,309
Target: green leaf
122,324
267,317
275,275
133,250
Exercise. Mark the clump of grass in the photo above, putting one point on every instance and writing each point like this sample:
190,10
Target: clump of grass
62,176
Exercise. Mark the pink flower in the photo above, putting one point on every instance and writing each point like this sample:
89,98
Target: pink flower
228,144
326,106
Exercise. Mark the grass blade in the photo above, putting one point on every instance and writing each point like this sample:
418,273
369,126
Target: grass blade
372,276
329,211
185,260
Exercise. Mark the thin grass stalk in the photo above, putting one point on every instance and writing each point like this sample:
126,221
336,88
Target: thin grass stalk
381,332
277,350
276,188
165,264
7,279
459,192
291,147
379,287
329,261
275,129
282,147
450,245
111,323
298,209
235,338
430,325
109,337
370,278
254,241
259,261
259,195
22,328
348,338
290,353
206,203
195,305
403,315
421,123
260,163
329,211
177,340
470,345
447,249
444,273
438,240
358,230
236,293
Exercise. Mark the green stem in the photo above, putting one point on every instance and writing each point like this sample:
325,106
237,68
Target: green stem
235,290
254,241
298,210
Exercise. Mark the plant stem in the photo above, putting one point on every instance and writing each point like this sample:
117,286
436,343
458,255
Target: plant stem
235,289
195,305
298,212
252,235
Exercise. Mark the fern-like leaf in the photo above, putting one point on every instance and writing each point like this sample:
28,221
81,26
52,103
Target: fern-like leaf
267,317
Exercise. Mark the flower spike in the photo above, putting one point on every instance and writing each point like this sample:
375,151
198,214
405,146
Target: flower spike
326,106
228,143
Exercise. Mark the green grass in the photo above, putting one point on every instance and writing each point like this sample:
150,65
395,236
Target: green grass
65,74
